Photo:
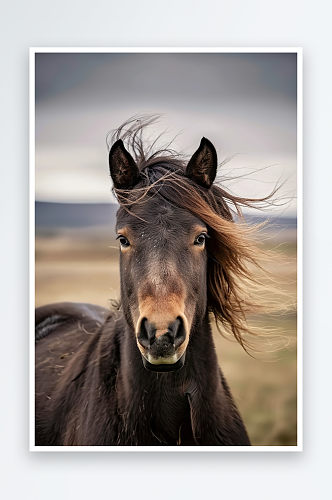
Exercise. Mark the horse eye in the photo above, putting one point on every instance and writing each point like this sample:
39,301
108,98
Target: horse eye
123,241
200,239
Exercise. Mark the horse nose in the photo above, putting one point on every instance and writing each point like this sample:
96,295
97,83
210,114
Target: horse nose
174,335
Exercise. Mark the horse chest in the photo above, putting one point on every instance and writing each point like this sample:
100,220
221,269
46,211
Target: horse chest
158,415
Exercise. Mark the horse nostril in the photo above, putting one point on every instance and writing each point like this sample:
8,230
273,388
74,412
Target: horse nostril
176,332
174,336
147,334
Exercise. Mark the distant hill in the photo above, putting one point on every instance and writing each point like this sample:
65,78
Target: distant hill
282,222
53,217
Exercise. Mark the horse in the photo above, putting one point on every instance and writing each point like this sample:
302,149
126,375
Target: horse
146,373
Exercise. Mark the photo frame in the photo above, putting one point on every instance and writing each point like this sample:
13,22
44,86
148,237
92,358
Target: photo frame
47,123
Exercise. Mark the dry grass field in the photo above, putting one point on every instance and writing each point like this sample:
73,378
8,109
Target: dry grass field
73,266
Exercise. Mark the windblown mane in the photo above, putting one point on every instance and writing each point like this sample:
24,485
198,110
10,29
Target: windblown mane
234,255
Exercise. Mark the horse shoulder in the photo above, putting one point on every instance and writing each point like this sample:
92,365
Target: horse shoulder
61,331
67,340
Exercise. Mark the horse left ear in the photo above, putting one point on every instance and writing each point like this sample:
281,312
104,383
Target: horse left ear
202,167
123,169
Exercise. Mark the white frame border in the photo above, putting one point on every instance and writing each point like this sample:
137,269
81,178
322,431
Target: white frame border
299,52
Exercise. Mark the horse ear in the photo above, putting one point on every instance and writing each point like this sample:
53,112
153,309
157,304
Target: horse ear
123,169
202,167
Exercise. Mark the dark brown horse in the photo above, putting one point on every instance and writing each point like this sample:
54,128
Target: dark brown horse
149,375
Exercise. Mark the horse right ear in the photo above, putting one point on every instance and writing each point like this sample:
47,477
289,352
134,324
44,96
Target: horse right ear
202,167
123,169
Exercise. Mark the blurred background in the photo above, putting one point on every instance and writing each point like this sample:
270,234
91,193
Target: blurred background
246,104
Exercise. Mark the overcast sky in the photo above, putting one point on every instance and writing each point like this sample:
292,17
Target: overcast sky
244,103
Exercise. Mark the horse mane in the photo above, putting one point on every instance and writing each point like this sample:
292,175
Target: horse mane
235,255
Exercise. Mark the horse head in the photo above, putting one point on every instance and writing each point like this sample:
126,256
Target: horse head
163,258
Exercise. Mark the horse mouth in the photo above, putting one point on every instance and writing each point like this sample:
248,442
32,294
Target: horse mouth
164,364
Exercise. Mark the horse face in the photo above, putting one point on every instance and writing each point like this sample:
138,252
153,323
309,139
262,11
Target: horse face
162,261
163,279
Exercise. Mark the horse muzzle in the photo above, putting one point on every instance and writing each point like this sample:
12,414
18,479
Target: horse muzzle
162,350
